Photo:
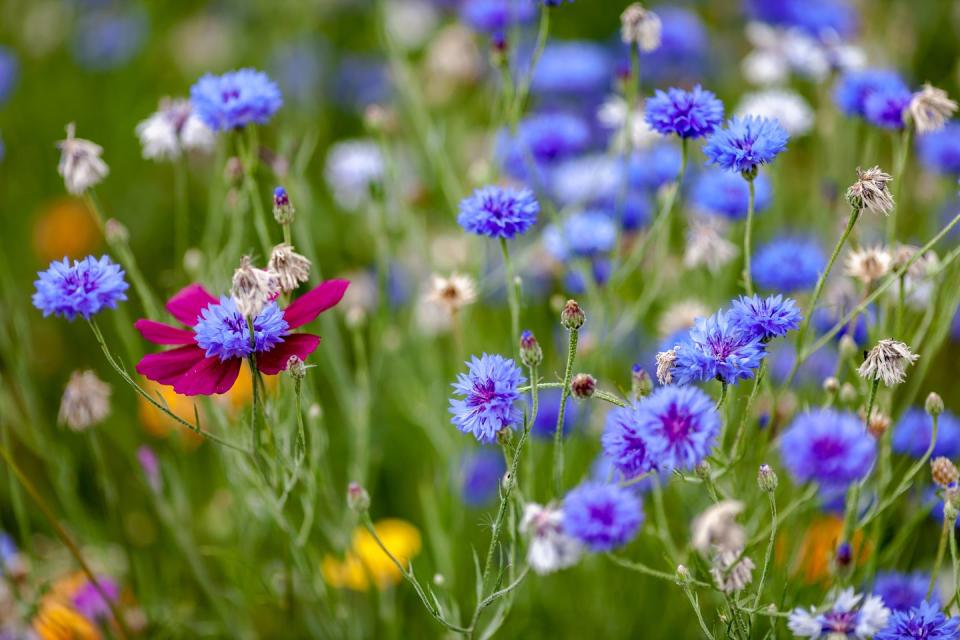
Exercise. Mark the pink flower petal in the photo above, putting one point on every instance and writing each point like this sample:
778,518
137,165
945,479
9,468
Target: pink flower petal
314,302
210,375
166,367
159,333
297,344
187,303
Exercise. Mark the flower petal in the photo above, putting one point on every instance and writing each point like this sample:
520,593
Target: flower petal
210,375
160,333
166,367
296,344
187,303
314,302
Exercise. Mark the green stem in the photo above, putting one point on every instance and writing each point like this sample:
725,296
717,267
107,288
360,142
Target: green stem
564,394
955,560
871,399
639,567
745,416
901,306
723,396
520,99
769,553
899,166
695,603
748,239
513,294
941,549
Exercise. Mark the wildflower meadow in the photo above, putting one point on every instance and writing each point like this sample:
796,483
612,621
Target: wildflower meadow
479,318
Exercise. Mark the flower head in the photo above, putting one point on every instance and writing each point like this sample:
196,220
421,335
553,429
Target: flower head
489,395
930,108
788,264
83,288
732,571
718,348
787,107
887,361
235,99
85,401
366,562
769,318
584,234
80,164
707,245
496,16
666,361
925,621
901,591
601,516
575,68
453,292
498,212
746,143
640,27
352,167
253,288
827,446
870,191
222,331
550,548
626,444
680,426
868,264
173,129
547,138
290,268
940,150
886,108
717,528
855,87
846,617
726,194
912,433
480,475
688,114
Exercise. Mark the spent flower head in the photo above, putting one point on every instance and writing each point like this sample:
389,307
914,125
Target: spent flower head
887,362
452,293
640,27
930,108
289,267
80,164
85,401
870,191
252,288
868,264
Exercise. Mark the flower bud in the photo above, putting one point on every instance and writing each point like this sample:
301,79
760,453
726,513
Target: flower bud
583,386
943,471
531,354
296,368
877,424
572,316
683,575
233,171
642,384
282,209
767,478
934,404
115,231
831,385
847,347
357,498
844,555
702,470
848,393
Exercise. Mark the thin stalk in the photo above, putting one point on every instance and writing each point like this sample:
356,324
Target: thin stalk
745,416
695,603
941,549
748,239
955,560
871,399
769,553
901,306
599,394
723,396
523,91
249,153
513,294
663,529
639,567
564,394
899,166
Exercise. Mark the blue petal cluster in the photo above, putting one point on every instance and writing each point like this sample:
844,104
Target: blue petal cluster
625,444
788,264
939,151
235,99
746,143
816,17
573,68
83,288
654,167
480,474
680,425
827,446
923,622
601,516
494,17
854,87
585,234
688,114
766,318
717,348
488,397
912,433
821,364
223,331
499,212
902,591
542,141
885,108
727,194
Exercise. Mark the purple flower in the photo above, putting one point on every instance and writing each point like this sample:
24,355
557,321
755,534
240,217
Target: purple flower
717,348
885,108
223,331
726,194
601,516
746,143
902,591
855,87
816,17
912,433
827,446
625,443
499,212
489,391
923,622
680,425
788,264
480,474
150,466
689,114
768,318
90,604
83,288
235,99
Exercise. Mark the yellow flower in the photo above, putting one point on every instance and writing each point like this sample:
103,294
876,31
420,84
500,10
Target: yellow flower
159,424
366,561
818,548
65,227
58,621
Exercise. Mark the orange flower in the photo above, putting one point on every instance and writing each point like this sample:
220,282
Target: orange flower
65,227
366,560
159,424
818,548
58,621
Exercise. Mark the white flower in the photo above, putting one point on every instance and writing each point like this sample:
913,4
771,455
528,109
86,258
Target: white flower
787,107
887,361
873,617
803,623
85,401
253,288
706,245
352,167
717,528
868,264
550,549
730,572
290,267
930,108
632,133
80,162
173,129
452,293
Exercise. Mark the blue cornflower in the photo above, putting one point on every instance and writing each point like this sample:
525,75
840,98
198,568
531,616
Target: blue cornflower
575,67
768,318
912,433
9,71
489,390
689,114
717,348
586,178
746,143
494,17
923,622
83,288
680,424
574,282
855,87
816,17
885,107
788,264
827,446
625,442
548,410
655,167
726,194
235,99
108,37
939,151
547,139
223,331
480,474
585,234
601,516
902,591
499,212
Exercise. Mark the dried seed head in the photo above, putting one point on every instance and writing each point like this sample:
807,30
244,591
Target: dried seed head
85,401
640,27
870,191
453,292
887,362
666,361
253,288
930,109
80,164
943,471
290,268
717,528
731,571
868,264
878,424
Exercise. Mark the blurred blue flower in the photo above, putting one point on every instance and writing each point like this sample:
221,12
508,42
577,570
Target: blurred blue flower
716,348
499,212
726,194
106,38
361,81
939,151
83,288
827,446
488,397
625,443
788,264
548,410
819,18
300,69
576,67
766,318
585,179
912,433
688,114
746,143
494,17
654,167
902,591
480,474
9,73
545,139
235,99
854,87
825,318
820,365
584,234
885,108
601,516
924,621
574,282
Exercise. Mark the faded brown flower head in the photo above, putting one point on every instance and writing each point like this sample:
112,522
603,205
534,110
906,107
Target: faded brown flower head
290,268
920,267
943,471
868,264
640,27
717,528
887,362
731,572
870,191
878,423
453,292
253,288
85,401
80,162
666,360
930,108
